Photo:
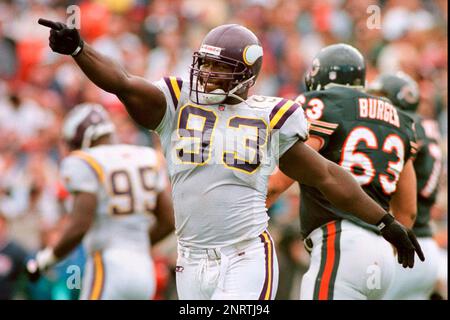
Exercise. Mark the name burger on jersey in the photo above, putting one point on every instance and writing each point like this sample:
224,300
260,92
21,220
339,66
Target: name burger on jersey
378,109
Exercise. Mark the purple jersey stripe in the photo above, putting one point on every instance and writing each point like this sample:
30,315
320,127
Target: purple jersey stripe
286,115
180,83
271,265
172,92
266,279
276,108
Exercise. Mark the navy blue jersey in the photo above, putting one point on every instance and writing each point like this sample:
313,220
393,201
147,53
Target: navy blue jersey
427,164
365,135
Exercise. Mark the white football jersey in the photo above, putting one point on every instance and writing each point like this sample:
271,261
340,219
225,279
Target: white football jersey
127,180
219,158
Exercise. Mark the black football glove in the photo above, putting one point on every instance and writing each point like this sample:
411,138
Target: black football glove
63,39
402,239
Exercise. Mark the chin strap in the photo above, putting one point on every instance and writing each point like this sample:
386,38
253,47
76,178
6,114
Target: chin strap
236,97
238,87
221,93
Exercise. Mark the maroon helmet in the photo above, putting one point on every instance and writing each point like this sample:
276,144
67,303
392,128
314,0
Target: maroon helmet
86,123
230,45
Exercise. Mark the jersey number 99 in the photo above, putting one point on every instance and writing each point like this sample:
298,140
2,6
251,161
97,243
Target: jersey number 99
123,190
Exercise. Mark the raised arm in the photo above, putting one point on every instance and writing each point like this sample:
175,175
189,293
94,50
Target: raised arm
145,103
305,165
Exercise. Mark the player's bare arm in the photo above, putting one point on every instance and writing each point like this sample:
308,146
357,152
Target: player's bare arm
144,101
279,182
80,221
342,190
165,217
404,201
338,186
81,218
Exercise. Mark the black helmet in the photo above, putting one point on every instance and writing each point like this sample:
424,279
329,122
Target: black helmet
400,88
235,46
340,64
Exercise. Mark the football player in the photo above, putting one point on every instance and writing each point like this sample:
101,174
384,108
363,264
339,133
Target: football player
417,283
116,190
220,147
375,142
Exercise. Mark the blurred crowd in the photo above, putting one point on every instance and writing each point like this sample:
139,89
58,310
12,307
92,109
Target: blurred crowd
154,38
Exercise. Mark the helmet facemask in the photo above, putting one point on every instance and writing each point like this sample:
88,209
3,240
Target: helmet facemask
230,84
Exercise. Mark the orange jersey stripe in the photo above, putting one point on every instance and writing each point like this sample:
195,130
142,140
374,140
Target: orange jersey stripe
324,285
313,128
325,124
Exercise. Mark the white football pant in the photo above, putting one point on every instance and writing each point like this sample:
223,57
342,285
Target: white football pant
417,283
118,274
348,262
247,270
